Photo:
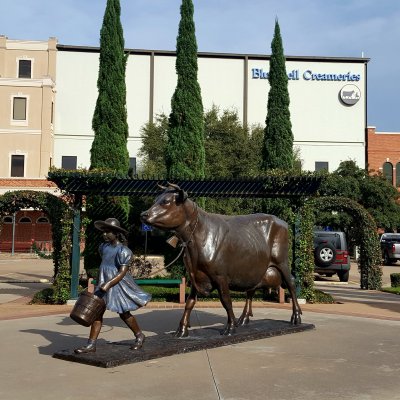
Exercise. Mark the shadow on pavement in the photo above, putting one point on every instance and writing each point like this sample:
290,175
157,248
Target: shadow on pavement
155,322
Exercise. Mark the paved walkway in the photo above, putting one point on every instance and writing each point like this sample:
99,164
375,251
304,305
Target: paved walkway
20,278
352,354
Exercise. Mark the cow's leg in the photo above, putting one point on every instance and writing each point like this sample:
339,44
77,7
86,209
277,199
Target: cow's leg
225,297
247,310
184,324
290,284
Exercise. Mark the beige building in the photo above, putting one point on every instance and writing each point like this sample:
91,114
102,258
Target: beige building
27,93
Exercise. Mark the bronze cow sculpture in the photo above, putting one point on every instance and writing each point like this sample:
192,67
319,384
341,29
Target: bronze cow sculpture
243,253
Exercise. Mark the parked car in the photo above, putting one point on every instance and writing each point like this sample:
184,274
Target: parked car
390,246
331,254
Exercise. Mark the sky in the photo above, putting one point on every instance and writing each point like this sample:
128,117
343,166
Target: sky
333,28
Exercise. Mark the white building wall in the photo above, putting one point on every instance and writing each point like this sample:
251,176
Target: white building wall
137,98
164,83
221,82
324,128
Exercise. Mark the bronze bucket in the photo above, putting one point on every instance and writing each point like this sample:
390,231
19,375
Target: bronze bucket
88,308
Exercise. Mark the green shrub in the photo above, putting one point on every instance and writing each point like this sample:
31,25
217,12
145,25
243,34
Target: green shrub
45,296
162,293
171,294
322,297
92,272
40,253
395,280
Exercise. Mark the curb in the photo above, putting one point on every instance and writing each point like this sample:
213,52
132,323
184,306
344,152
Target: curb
25,281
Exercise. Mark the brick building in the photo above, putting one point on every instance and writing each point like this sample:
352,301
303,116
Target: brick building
29,226
383,154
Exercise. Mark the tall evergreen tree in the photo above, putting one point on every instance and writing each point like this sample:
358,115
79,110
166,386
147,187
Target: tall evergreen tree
277,151
109,123
278,137
109,148
185,155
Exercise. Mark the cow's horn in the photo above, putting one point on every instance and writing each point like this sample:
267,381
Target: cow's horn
161,187
176,187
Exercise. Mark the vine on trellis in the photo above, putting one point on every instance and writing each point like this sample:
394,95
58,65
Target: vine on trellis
365,236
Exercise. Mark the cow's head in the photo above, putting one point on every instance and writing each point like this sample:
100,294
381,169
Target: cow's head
168,211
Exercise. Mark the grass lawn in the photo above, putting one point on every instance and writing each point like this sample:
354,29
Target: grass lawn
160,293
394,290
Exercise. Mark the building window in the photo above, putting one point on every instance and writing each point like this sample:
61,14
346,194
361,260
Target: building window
8,219
132,166
398,174
42,220
19,108
321,165
388,171
68,162
25,220
25,69
17,165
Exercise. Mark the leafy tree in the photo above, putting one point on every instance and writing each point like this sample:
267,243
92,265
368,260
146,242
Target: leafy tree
231,151
379,197
372,191
227,145
185,156
255,149
278,139
154,142
109,147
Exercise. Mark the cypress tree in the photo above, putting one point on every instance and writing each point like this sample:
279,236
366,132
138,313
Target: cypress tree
185,155
109,123
278,137
109,148
277,151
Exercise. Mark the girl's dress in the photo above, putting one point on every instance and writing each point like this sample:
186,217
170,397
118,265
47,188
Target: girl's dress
126,295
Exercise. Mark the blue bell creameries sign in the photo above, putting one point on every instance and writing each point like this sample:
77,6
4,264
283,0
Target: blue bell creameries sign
309,75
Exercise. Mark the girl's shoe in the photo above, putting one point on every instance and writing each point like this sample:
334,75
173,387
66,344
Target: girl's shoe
138,342
89,348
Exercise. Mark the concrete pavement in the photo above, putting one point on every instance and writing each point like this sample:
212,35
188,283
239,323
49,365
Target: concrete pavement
343,358
352,354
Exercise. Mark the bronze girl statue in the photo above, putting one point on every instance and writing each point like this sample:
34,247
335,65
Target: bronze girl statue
117,288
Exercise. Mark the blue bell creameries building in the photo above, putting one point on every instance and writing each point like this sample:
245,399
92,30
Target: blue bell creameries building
328,99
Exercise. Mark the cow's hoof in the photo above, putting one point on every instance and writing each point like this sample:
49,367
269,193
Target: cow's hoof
229,330
296,319
243,320
181,332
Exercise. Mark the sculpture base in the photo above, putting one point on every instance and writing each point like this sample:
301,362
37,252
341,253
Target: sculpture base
115,354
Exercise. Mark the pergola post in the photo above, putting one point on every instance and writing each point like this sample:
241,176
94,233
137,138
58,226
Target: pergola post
76,249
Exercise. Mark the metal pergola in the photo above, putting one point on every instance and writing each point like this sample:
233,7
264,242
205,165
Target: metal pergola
260,187
79,185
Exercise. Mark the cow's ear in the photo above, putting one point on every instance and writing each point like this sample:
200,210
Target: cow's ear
182,196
